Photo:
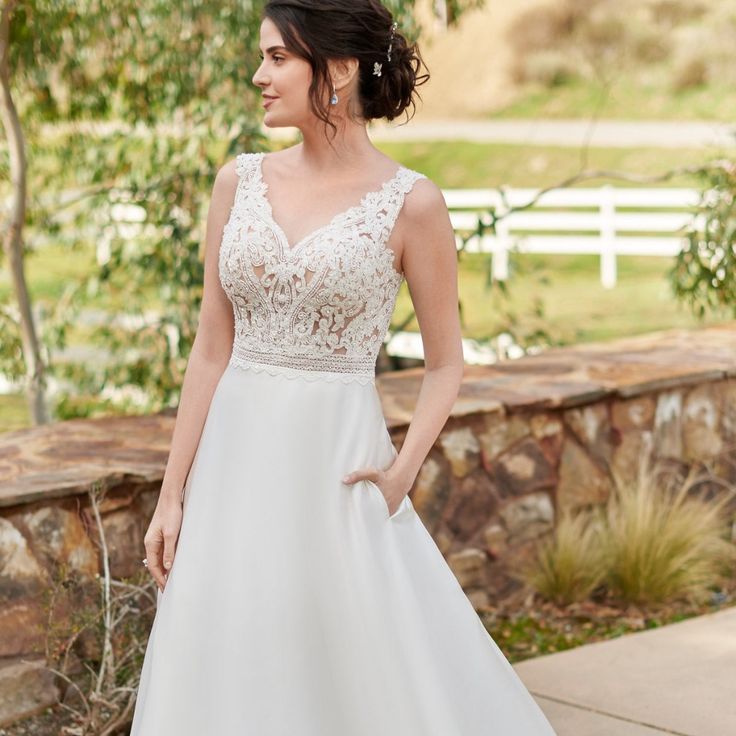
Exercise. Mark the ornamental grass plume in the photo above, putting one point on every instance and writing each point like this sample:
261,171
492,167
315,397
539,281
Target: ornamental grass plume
569,564
665,539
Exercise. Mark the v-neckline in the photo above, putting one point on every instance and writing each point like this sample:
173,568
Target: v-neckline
346,213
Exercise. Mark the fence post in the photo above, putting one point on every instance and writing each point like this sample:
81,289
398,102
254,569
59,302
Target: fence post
608,237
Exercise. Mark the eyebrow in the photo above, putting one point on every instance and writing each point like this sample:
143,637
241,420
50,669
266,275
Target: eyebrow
271,49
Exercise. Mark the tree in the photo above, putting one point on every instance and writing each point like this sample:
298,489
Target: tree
172,83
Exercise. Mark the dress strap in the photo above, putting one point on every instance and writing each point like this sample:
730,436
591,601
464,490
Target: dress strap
402,184
246,169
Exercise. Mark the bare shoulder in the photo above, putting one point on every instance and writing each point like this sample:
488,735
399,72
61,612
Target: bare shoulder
226,183
424,217
424,201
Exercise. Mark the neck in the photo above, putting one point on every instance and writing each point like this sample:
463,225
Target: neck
350,148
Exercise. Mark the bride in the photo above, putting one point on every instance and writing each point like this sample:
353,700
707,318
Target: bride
298,590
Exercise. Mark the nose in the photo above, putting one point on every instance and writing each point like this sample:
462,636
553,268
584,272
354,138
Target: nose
258,80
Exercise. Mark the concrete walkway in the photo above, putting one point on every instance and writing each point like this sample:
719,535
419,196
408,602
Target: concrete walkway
677,679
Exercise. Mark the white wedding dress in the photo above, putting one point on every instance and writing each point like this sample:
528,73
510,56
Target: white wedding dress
296,606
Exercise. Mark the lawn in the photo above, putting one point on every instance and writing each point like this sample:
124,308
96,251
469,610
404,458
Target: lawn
632,96
465,164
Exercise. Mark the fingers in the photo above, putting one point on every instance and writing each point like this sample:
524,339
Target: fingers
169,547
154,543
362,474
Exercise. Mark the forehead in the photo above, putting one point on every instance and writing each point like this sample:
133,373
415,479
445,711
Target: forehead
270,36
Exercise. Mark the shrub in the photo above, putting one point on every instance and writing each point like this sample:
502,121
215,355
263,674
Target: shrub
569,565
657,539
664,540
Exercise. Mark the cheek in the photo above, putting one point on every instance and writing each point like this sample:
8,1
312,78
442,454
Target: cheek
297,81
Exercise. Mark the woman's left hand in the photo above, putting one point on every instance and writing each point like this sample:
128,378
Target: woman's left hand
393,489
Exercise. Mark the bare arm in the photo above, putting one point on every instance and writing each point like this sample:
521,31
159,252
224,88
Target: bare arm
212,344
209,357
429,262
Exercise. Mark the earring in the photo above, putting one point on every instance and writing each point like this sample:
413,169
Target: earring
334,98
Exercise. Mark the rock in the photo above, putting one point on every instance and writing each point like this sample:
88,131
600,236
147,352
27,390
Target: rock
668,424
124,538
57,535
529,516
26,688
430,493
522,469
635,446
501,432
591,425
470,506
549,431
443,540
20,573
462,450
727,401
22,627
479,599
637,413
582,482
469,567
496,539
700,424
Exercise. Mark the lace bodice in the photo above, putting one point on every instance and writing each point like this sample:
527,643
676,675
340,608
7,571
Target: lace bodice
320,308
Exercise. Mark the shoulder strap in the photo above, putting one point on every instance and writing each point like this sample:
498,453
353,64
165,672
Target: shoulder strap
396,195
244,164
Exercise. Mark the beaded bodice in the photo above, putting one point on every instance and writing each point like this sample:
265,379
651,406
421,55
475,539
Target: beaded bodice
320,308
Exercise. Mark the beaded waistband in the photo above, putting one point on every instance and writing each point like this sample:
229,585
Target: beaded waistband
327,368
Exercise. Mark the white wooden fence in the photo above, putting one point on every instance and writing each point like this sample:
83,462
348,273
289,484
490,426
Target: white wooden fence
607,221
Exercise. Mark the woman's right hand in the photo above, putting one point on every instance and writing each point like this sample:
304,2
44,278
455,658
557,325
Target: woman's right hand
160,538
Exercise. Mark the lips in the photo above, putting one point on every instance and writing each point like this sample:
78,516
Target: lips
268,100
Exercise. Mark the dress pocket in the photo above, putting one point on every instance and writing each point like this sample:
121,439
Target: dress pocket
404,506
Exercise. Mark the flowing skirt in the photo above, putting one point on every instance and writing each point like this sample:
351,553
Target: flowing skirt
296,606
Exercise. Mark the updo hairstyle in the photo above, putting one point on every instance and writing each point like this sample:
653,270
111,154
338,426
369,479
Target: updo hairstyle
318,30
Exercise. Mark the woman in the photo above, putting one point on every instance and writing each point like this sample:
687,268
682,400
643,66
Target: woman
307,597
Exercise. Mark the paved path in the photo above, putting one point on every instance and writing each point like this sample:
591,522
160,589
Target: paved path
678,679
603,133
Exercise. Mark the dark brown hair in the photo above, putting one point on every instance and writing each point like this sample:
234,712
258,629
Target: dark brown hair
318,30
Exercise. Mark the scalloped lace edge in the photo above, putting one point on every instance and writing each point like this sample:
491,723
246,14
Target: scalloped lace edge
302,374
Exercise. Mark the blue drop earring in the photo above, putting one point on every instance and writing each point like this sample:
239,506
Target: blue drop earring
334,98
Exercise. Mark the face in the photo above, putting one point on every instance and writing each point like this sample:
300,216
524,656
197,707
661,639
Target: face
284,77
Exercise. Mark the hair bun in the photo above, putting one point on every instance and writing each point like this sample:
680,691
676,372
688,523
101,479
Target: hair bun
322,30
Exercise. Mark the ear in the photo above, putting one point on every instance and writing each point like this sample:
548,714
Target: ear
342,71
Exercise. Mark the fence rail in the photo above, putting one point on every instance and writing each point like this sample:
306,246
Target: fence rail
606,221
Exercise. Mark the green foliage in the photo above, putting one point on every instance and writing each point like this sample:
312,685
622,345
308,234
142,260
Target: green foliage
174,83
704,272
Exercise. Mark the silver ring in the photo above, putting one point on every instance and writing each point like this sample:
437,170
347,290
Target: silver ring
145,561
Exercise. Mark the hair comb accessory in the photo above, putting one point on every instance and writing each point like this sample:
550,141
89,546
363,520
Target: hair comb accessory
376,65
391,40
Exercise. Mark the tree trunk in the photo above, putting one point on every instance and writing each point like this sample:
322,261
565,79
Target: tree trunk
13,242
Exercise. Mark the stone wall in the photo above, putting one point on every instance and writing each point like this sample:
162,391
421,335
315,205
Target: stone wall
526,440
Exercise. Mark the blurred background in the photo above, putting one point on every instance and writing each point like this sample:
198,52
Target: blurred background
117,116
586,150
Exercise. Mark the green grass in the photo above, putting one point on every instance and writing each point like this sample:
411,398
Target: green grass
466,164
577,307
630,99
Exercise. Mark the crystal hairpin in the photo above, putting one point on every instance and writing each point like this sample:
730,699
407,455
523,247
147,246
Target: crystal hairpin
391,40
377,66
